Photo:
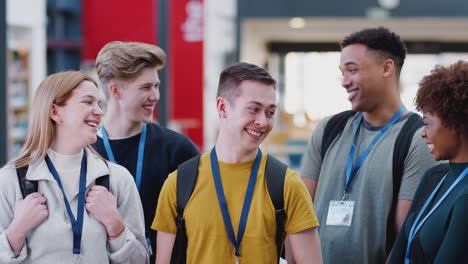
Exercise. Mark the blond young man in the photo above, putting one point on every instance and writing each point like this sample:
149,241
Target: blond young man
128,72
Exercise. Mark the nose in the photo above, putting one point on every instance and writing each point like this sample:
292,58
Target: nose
154,94
345,81
423,132
261,120
98,111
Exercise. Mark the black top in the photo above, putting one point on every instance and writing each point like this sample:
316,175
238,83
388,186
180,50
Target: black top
443,238
164,151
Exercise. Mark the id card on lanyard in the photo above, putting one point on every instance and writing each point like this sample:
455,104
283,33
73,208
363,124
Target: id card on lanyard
223,202
77,223
340,212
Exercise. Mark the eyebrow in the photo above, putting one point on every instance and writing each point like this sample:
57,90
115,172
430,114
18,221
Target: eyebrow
91,97
260,104
149,83
349,63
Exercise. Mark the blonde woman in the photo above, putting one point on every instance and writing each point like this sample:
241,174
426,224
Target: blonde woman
68,218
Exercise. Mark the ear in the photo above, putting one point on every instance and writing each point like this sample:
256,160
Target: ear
55,114
114,90
221,105
388,67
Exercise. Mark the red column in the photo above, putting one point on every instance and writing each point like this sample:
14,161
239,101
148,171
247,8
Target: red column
186,67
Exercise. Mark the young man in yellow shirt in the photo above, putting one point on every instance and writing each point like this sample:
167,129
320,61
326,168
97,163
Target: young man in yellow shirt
231,180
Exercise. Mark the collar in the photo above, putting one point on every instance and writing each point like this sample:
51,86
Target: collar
96,168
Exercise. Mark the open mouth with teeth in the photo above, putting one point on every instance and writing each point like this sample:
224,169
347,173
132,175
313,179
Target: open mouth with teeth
352,93
148,107
92,123
430,146
254,133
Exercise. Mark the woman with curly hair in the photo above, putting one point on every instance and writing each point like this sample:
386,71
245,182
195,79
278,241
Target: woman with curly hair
435,230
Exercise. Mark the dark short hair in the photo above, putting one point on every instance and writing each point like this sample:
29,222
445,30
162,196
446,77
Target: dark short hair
233,75
388,44
445,93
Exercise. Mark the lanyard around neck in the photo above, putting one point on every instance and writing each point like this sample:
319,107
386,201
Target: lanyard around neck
418,224
77,224
141,152
351,170
223,203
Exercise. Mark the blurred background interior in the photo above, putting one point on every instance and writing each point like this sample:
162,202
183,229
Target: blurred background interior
297,41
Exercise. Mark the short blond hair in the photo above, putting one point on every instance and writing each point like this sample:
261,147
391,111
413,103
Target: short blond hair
124,61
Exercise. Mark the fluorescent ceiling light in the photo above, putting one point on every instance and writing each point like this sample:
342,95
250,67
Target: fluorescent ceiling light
297,22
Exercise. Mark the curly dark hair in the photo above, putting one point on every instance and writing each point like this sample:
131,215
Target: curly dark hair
233,75
445,93
382,40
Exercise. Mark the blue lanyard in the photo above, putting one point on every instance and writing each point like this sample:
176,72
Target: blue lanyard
351,170
77,224
418,224
223,203
141,152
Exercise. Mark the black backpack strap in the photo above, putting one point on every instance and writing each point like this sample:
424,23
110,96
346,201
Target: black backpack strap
187,173
400,151
334,128
103,180
275,172
27,187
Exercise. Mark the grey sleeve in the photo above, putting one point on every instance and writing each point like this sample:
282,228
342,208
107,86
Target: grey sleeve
418,161
311,160
8,196
133,248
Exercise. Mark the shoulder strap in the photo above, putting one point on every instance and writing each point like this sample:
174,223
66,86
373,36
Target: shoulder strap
187,173
401,149
103,180
27,187
334,128
400,152
275,172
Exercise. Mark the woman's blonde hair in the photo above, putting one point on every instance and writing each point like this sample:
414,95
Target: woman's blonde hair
55,89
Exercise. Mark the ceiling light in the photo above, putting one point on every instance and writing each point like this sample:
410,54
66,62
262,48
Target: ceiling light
297,22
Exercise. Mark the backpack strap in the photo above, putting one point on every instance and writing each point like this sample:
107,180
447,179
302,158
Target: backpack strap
275,172
187,173
400,152
334,128
27,187
103,180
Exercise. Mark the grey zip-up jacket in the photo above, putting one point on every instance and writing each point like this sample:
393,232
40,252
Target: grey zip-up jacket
52,241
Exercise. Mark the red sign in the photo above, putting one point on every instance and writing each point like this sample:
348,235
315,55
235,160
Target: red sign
108,20
186,67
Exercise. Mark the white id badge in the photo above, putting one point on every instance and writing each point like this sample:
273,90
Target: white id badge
340,213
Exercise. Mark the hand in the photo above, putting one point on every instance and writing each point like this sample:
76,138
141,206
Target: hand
102,204
30,212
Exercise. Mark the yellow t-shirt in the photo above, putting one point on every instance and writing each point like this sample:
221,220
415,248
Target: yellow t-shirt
208,240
